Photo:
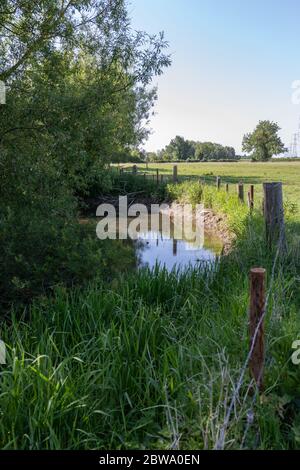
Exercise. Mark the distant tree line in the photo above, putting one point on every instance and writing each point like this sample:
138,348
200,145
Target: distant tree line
185,150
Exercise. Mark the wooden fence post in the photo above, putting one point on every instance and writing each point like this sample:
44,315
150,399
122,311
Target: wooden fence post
240,191
274,214
175,176
251,198
218,182
134,170
227,188
252,194
157,176
256,324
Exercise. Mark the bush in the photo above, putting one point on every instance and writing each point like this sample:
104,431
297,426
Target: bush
39,253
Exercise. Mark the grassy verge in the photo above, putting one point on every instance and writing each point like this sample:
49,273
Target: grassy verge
250,173
150,360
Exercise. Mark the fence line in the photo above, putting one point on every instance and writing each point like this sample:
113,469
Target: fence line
274,217
221,441
163,178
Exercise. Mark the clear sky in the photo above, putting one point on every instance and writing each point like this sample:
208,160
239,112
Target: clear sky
233,64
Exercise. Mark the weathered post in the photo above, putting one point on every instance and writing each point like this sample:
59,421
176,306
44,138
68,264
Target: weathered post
134,170
175,176
157,176
256,324
274,214
240,191
218,182
227,188
252,193
251,198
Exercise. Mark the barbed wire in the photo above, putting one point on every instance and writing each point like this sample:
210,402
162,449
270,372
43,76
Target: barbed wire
221,440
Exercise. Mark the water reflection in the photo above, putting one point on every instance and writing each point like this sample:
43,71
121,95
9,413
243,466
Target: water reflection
158,243
160,246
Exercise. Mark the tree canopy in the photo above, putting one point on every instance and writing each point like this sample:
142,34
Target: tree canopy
264,141
77,81
78,95
182,149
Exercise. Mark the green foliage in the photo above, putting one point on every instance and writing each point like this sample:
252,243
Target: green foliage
181,149
77,80
146,187
178,149
264,141
41,250
235,213
125,364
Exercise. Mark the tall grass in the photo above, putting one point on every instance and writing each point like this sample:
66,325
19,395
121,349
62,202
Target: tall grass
150,359
227,205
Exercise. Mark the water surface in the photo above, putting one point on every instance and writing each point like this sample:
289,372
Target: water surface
158,246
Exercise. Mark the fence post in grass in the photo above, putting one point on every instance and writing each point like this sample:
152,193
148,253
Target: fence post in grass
175,176
240,191
274,214
157,176
251,192
256,324
227,188
218,182
134,170
249,199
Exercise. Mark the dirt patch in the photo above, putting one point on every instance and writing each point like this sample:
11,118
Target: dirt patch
217,224
213,223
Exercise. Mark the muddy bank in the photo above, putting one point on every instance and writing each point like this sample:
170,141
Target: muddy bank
213,223
217,224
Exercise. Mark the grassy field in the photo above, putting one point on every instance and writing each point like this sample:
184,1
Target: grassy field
149,360
232,173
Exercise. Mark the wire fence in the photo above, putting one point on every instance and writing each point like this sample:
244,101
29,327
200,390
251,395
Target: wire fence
220,443
281,248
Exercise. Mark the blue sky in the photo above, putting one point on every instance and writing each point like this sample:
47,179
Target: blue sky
233,64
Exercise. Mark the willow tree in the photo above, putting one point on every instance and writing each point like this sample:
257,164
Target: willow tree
77,91
77,81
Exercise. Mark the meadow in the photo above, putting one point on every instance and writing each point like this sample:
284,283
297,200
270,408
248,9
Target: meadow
233,172
150,360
